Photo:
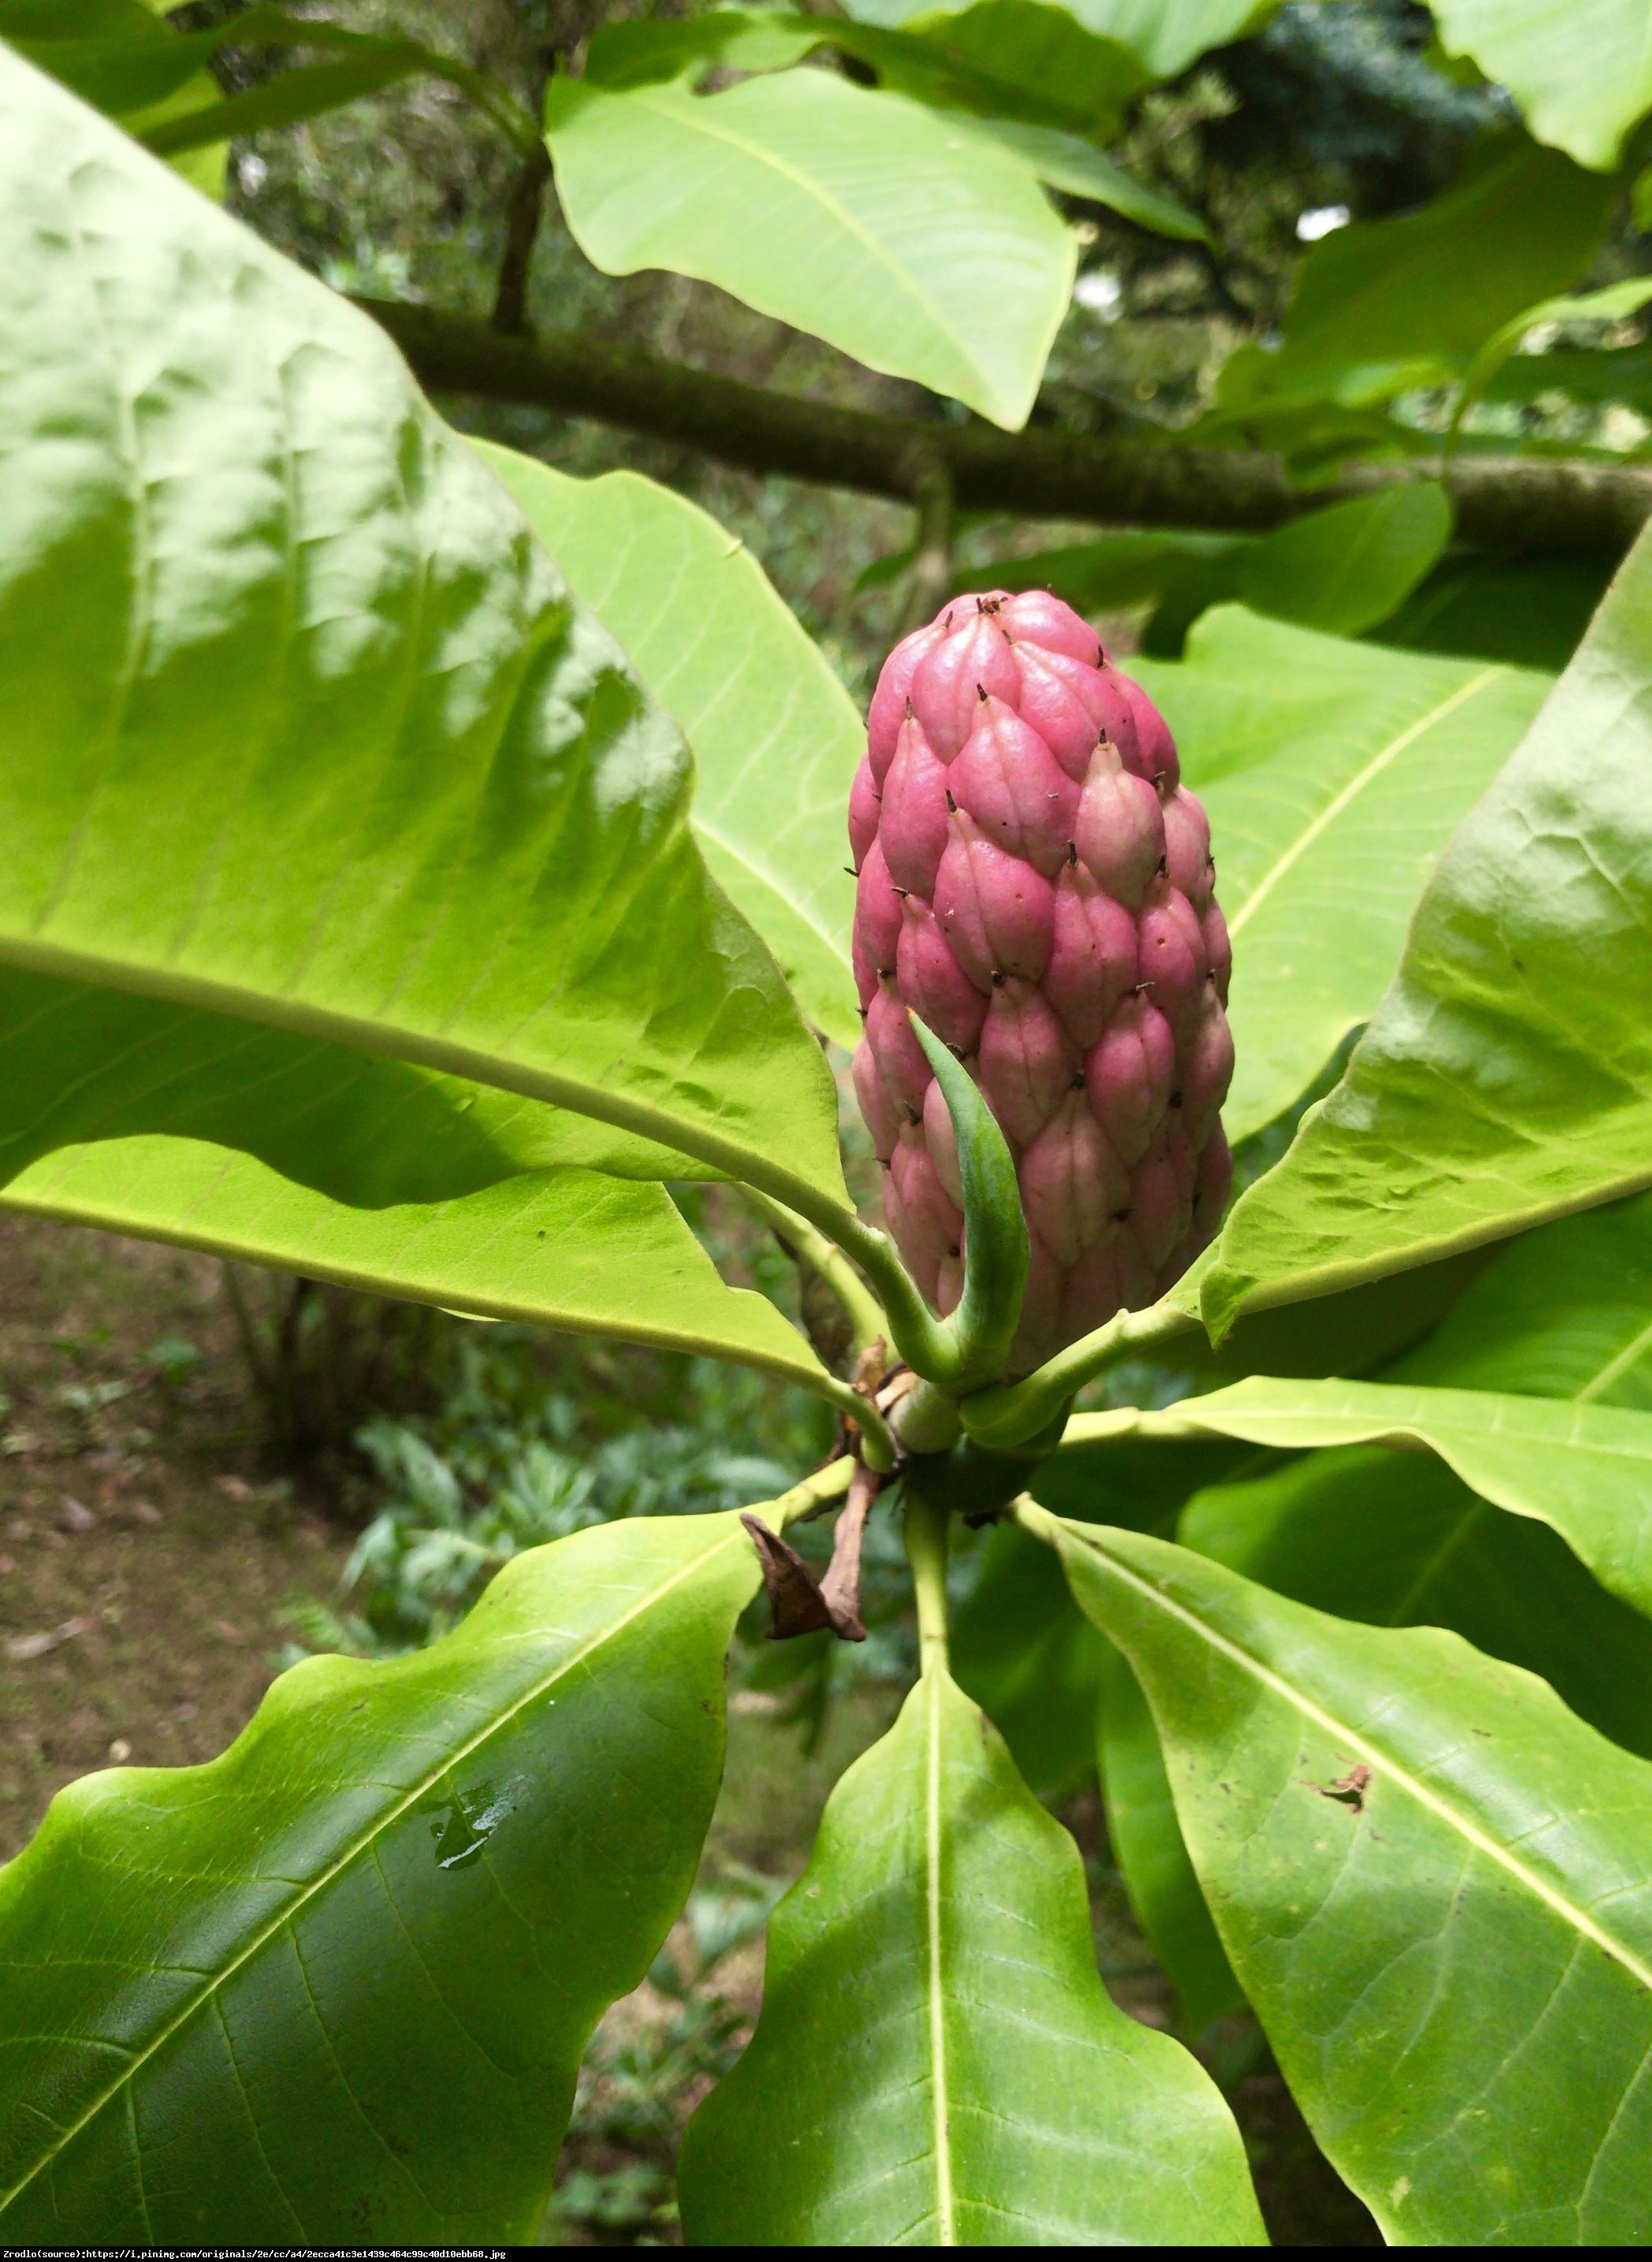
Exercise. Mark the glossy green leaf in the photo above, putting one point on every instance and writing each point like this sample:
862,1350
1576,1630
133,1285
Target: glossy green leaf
1345,568
886,228
1580,72
1611,305
1584,1469
116,1110
1333,773
1582,373
937,2062
1433,1882
1075,165
334,1988
1146,1842
1394,1538
566,1249
1166,34
775,737
1506,1077
298,723
1384,304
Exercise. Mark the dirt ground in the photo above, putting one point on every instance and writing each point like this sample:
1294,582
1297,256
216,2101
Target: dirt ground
144,1555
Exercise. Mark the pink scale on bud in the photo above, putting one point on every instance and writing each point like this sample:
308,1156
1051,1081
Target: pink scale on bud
1089,1292
1072,1181
1093,955
912,827
942,1142
1218,949
1039,1334
1037,616
1154,750
948,1285
1206,1070
1119,831
1049,704
1187,848
1007,779
1161,1196
888,710
1026,1063
876,911
932,981
1212,1182
878,1112
1130,1076
996,911
863,812
930,1220
1170,966
902,1063
950,680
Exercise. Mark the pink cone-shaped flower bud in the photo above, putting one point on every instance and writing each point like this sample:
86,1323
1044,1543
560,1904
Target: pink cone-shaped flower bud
932,981
1026,1063
997,913
1119,831
1006,778
912,826
1036,884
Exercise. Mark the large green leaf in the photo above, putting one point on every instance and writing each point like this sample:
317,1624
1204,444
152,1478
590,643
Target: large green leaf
936,2063
1531,610
1432,1881
1333,773
1580,72
1387,303
1584,1469
119,1110
1166,34
334,1986
297,722
1393,1539
1506,1077
566,1249
774,735
1348,566
892,231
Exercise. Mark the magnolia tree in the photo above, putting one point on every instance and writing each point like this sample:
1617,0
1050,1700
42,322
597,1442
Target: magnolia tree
418,861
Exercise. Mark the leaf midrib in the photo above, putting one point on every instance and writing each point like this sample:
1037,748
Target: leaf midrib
1372,1755
757,152
933,1848
1379,762
398,1042
363,1841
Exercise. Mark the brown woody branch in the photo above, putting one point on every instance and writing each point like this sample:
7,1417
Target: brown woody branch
1509,503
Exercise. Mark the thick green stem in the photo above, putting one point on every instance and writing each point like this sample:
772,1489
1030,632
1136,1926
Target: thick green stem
1013,1412
825,1484
921,1339
926,1528
866,1315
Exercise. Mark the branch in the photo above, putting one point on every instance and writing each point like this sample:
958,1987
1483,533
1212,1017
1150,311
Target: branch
1511,503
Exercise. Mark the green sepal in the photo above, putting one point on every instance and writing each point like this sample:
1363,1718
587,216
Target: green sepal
996,1248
